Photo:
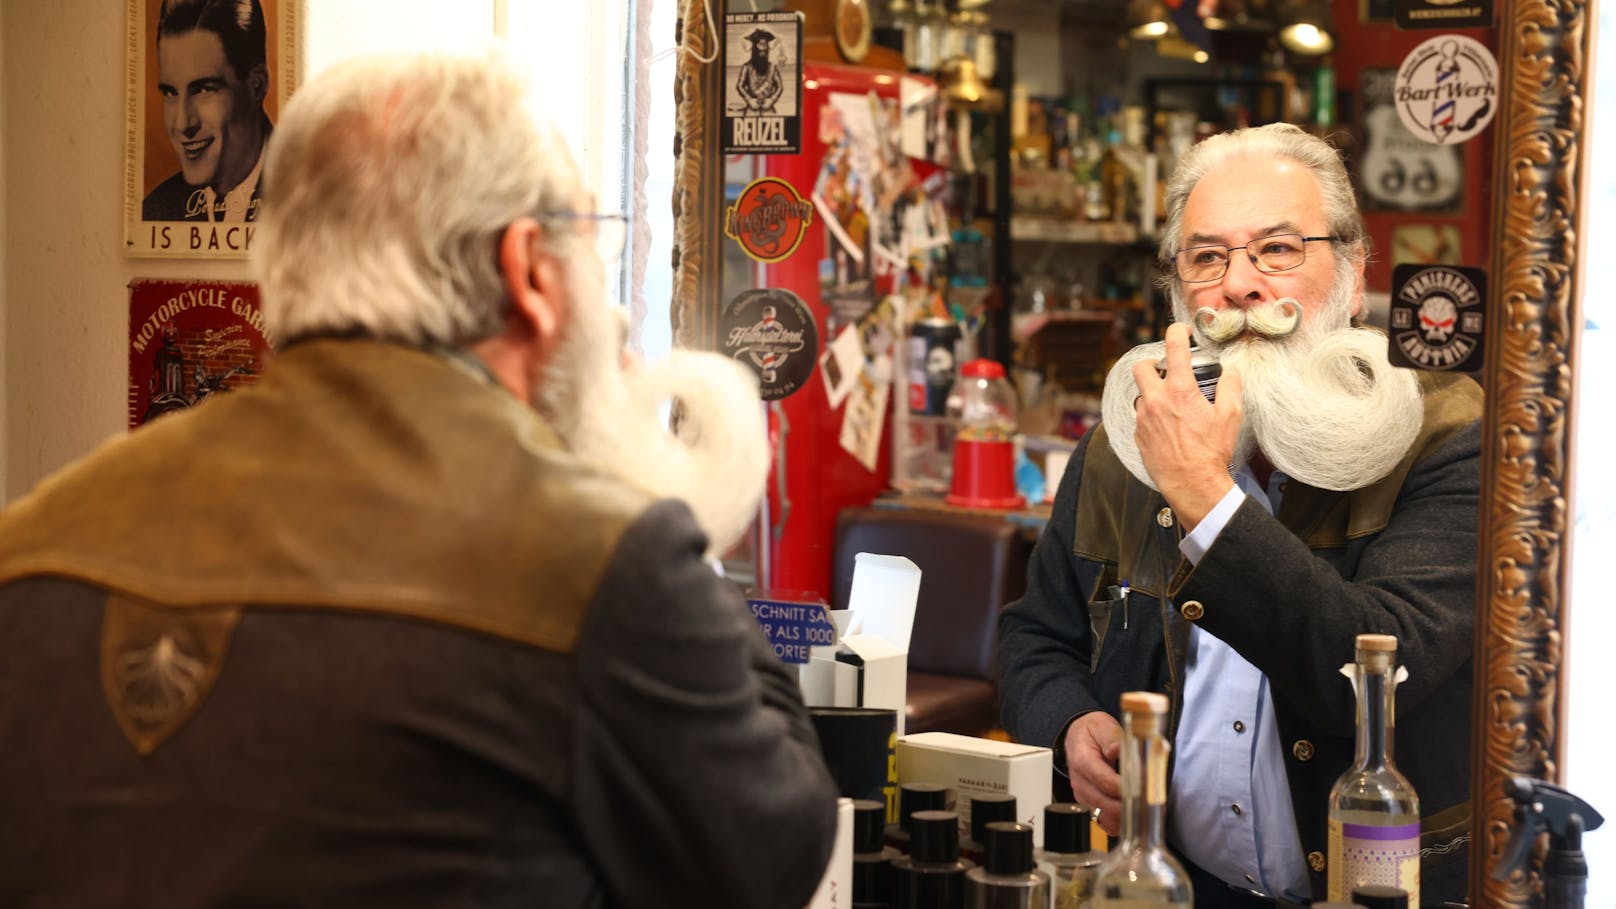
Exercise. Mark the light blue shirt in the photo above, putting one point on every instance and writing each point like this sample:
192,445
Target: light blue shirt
1229,807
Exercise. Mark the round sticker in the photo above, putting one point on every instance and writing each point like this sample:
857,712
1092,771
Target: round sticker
772,331
769,219
1447,89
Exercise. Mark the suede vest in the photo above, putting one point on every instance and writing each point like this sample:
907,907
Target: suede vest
357,476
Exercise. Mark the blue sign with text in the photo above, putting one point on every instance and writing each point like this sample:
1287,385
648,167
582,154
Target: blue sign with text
793,626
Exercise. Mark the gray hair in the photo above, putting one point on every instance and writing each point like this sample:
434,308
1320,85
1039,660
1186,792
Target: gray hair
388,185
1279,140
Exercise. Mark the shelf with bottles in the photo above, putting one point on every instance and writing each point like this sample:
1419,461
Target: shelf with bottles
1047,229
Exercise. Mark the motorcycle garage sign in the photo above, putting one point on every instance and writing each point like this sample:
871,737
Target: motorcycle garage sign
1447,89
769,219
189,340
1436,317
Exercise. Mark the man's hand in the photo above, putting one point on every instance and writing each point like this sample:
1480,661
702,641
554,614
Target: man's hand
1093,747
1186,442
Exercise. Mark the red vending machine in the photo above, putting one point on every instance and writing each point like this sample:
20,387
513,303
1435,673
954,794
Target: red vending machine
877,226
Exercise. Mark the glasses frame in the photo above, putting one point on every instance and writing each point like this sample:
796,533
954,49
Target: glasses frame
609,249
1228,254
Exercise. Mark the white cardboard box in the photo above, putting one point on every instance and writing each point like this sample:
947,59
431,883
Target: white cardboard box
836,887
869,664
971,766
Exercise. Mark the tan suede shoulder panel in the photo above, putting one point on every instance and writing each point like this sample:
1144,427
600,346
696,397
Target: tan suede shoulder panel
355,475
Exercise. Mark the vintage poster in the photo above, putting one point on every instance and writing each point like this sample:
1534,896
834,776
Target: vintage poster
762,84
189,339
1399,171
206,82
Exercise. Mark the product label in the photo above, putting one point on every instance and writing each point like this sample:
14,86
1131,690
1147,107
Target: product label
1362,854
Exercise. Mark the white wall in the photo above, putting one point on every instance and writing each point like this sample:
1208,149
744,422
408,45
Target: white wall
63,275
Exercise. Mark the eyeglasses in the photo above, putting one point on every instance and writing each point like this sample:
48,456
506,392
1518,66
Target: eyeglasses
1280,252
610,230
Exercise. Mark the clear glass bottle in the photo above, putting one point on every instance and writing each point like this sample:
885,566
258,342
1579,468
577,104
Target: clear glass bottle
1008,879
1374,813
1140,872
1068,857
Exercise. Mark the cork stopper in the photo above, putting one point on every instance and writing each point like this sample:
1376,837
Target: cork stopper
1377,643
1143,711
1377,652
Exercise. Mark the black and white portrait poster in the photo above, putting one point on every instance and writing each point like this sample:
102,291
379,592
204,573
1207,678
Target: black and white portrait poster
762,83
206,82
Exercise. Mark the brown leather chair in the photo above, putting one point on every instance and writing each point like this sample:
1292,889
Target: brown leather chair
971,567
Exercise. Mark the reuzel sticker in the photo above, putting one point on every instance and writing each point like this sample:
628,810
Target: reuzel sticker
1436,317
769,219
762,84
1447,89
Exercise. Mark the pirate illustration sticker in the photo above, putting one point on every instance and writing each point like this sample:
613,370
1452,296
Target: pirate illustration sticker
762,84
772,332
1447,89
1437,318
769,219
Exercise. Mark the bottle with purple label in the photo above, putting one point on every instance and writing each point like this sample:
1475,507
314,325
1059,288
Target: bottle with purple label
1374,813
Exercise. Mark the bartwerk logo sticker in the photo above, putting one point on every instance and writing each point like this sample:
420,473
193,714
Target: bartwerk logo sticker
1436,317
768,219
1447,89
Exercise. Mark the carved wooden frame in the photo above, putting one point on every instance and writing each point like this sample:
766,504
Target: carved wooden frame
1534,314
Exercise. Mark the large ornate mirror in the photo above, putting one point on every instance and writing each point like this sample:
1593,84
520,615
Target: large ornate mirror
1536,241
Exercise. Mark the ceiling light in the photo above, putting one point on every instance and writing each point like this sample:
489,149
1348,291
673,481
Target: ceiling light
1306,28
1148,19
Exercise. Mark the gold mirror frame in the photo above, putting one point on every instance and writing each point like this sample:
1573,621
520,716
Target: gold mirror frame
1534,314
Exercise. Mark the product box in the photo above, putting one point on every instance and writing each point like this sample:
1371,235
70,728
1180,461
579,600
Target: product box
971,766
836,887
868,666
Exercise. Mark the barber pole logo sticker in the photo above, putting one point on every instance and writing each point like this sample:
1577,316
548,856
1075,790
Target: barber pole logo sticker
769,219
1436,317
772,331
1447,89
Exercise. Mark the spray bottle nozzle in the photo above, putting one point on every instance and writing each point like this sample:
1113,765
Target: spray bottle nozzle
1542,807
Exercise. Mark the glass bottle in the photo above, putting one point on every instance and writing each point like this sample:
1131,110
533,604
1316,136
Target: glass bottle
932,875
1374,813
1009,879
1068,856
1140,872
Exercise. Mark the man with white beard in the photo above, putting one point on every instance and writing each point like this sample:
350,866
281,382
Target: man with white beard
1227,554
422,617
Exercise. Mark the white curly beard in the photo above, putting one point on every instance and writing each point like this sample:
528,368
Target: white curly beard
1324,405
612,417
